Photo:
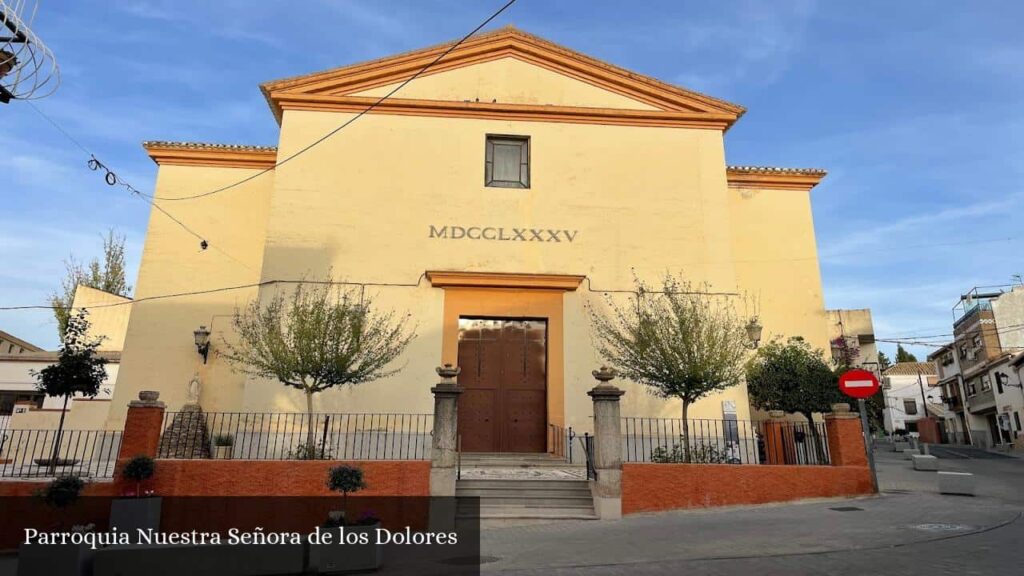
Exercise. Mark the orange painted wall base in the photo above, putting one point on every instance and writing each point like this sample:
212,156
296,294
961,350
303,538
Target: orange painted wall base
657,487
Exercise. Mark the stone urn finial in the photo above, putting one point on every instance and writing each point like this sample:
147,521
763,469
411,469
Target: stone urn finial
604,375
149,395
448,372
840,408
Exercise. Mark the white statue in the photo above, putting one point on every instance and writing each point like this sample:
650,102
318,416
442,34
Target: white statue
194,386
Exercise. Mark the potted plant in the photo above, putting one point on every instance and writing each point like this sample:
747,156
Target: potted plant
223,446
60,494
140,510
332,558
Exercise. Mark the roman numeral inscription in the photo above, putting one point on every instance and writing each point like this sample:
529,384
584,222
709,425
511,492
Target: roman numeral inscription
501,234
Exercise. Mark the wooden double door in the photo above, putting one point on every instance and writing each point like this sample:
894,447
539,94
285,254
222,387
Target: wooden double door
504,374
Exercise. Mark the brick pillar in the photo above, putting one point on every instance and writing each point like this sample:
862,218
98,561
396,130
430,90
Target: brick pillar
845,437
774,438
142,426
607,489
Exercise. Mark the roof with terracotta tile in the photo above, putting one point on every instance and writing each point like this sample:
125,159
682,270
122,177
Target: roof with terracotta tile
775,170
207,146
911,369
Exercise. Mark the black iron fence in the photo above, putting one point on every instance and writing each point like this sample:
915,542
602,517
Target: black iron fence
587,441
45,453
296,436
706,441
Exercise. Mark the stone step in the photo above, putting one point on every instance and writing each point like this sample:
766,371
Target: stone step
523,493
527,513
513,461
524,484
539,501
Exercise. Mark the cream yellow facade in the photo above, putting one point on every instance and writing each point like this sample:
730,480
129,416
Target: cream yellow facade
627,177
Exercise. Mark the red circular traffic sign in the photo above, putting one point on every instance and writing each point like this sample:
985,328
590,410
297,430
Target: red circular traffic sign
858,383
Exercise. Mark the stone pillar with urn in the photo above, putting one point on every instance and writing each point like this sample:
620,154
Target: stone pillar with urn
607,457
444,451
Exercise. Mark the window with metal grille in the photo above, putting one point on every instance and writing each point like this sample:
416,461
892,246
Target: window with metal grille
910,407
507,161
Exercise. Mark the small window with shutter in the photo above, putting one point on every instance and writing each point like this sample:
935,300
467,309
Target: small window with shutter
507,161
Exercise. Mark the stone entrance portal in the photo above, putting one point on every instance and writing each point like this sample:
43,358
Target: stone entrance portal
504,374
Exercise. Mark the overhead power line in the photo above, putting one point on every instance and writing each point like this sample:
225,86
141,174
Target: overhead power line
348,122
112,179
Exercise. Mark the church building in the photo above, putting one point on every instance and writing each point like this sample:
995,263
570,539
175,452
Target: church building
493,199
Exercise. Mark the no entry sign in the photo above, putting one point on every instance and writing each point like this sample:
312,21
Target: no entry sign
858,384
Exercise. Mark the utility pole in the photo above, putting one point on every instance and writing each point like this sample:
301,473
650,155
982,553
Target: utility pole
924,400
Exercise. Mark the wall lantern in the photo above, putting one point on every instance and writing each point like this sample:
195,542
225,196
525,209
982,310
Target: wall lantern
202,336
754,332
1004,379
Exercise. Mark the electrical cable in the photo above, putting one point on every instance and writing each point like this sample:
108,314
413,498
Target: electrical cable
345,124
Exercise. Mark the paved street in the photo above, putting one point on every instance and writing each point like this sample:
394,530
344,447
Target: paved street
908,529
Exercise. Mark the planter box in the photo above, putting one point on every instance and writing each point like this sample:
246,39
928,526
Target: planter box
50,560
335,558
131,514
222,452
209,560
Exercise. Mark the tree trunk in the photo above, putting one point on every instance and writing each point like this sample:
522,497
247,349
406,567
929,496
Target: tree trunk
815,439
686,430
56,440
310,426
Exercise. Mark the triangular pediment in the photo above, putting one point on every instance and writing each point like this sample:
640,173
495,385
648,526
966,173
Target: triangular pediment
508,68
512,81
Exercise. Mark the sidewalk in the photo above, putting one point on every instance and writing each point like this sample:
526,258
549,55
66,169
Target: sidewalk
908,513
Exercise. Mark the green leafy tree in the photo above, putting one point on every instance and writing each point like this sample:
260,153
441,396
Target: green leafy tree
903,356
876,404
60,493
139,469
681,342
345,479
792,377
883,362
316,339
108,275
79,370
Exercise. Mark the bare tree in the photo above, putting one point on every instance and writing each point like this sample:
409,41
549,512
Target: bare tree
108,275
682,342
320,337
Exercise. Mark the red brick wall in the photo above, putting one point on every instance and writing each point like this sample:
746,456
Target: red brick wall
285,477
655,487
257,478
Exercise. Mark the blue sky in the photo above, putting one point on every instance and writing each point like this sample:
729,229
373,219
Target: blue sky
912,106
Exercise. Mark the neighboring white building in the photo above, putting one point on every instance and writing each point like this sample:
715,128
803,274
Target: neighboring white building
23,407
910,394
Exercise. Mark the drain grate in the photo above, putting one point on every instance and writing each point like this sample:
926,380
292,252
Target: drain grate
847,509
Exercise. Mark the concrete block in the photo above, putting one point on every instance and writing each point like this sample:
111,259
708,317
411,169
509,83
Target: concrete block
909,453
900,446
925,462
956,483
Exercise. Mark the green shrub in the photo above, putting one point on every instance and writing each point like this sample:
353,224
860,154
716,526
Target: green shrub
345,479
62,492
139,469
304,452
223,440
699,454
